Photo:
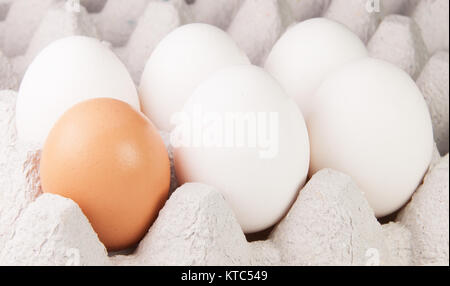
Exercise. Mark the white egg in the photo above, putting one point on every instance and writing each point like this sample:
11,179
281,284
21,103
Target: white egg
307,53
65,73
241,133
370,121
180,62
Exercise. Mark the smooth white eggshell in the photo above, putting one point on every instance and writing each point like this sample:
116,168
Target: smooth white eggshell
370,121
259,189
65,73
180,62
307,53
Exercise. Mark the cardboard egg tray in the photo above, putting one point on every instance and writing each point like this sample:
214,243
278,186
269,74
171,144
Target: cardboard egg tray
330,223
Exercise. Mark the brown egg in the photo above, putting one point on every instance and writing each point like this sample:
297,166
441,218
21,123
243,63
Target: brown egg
111,160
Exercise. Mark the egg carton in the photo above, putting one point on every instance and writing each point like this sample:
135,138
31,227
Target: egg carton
330,223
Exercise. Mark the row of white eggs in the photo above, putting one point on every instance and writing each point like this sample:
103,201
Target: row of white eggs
361,116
